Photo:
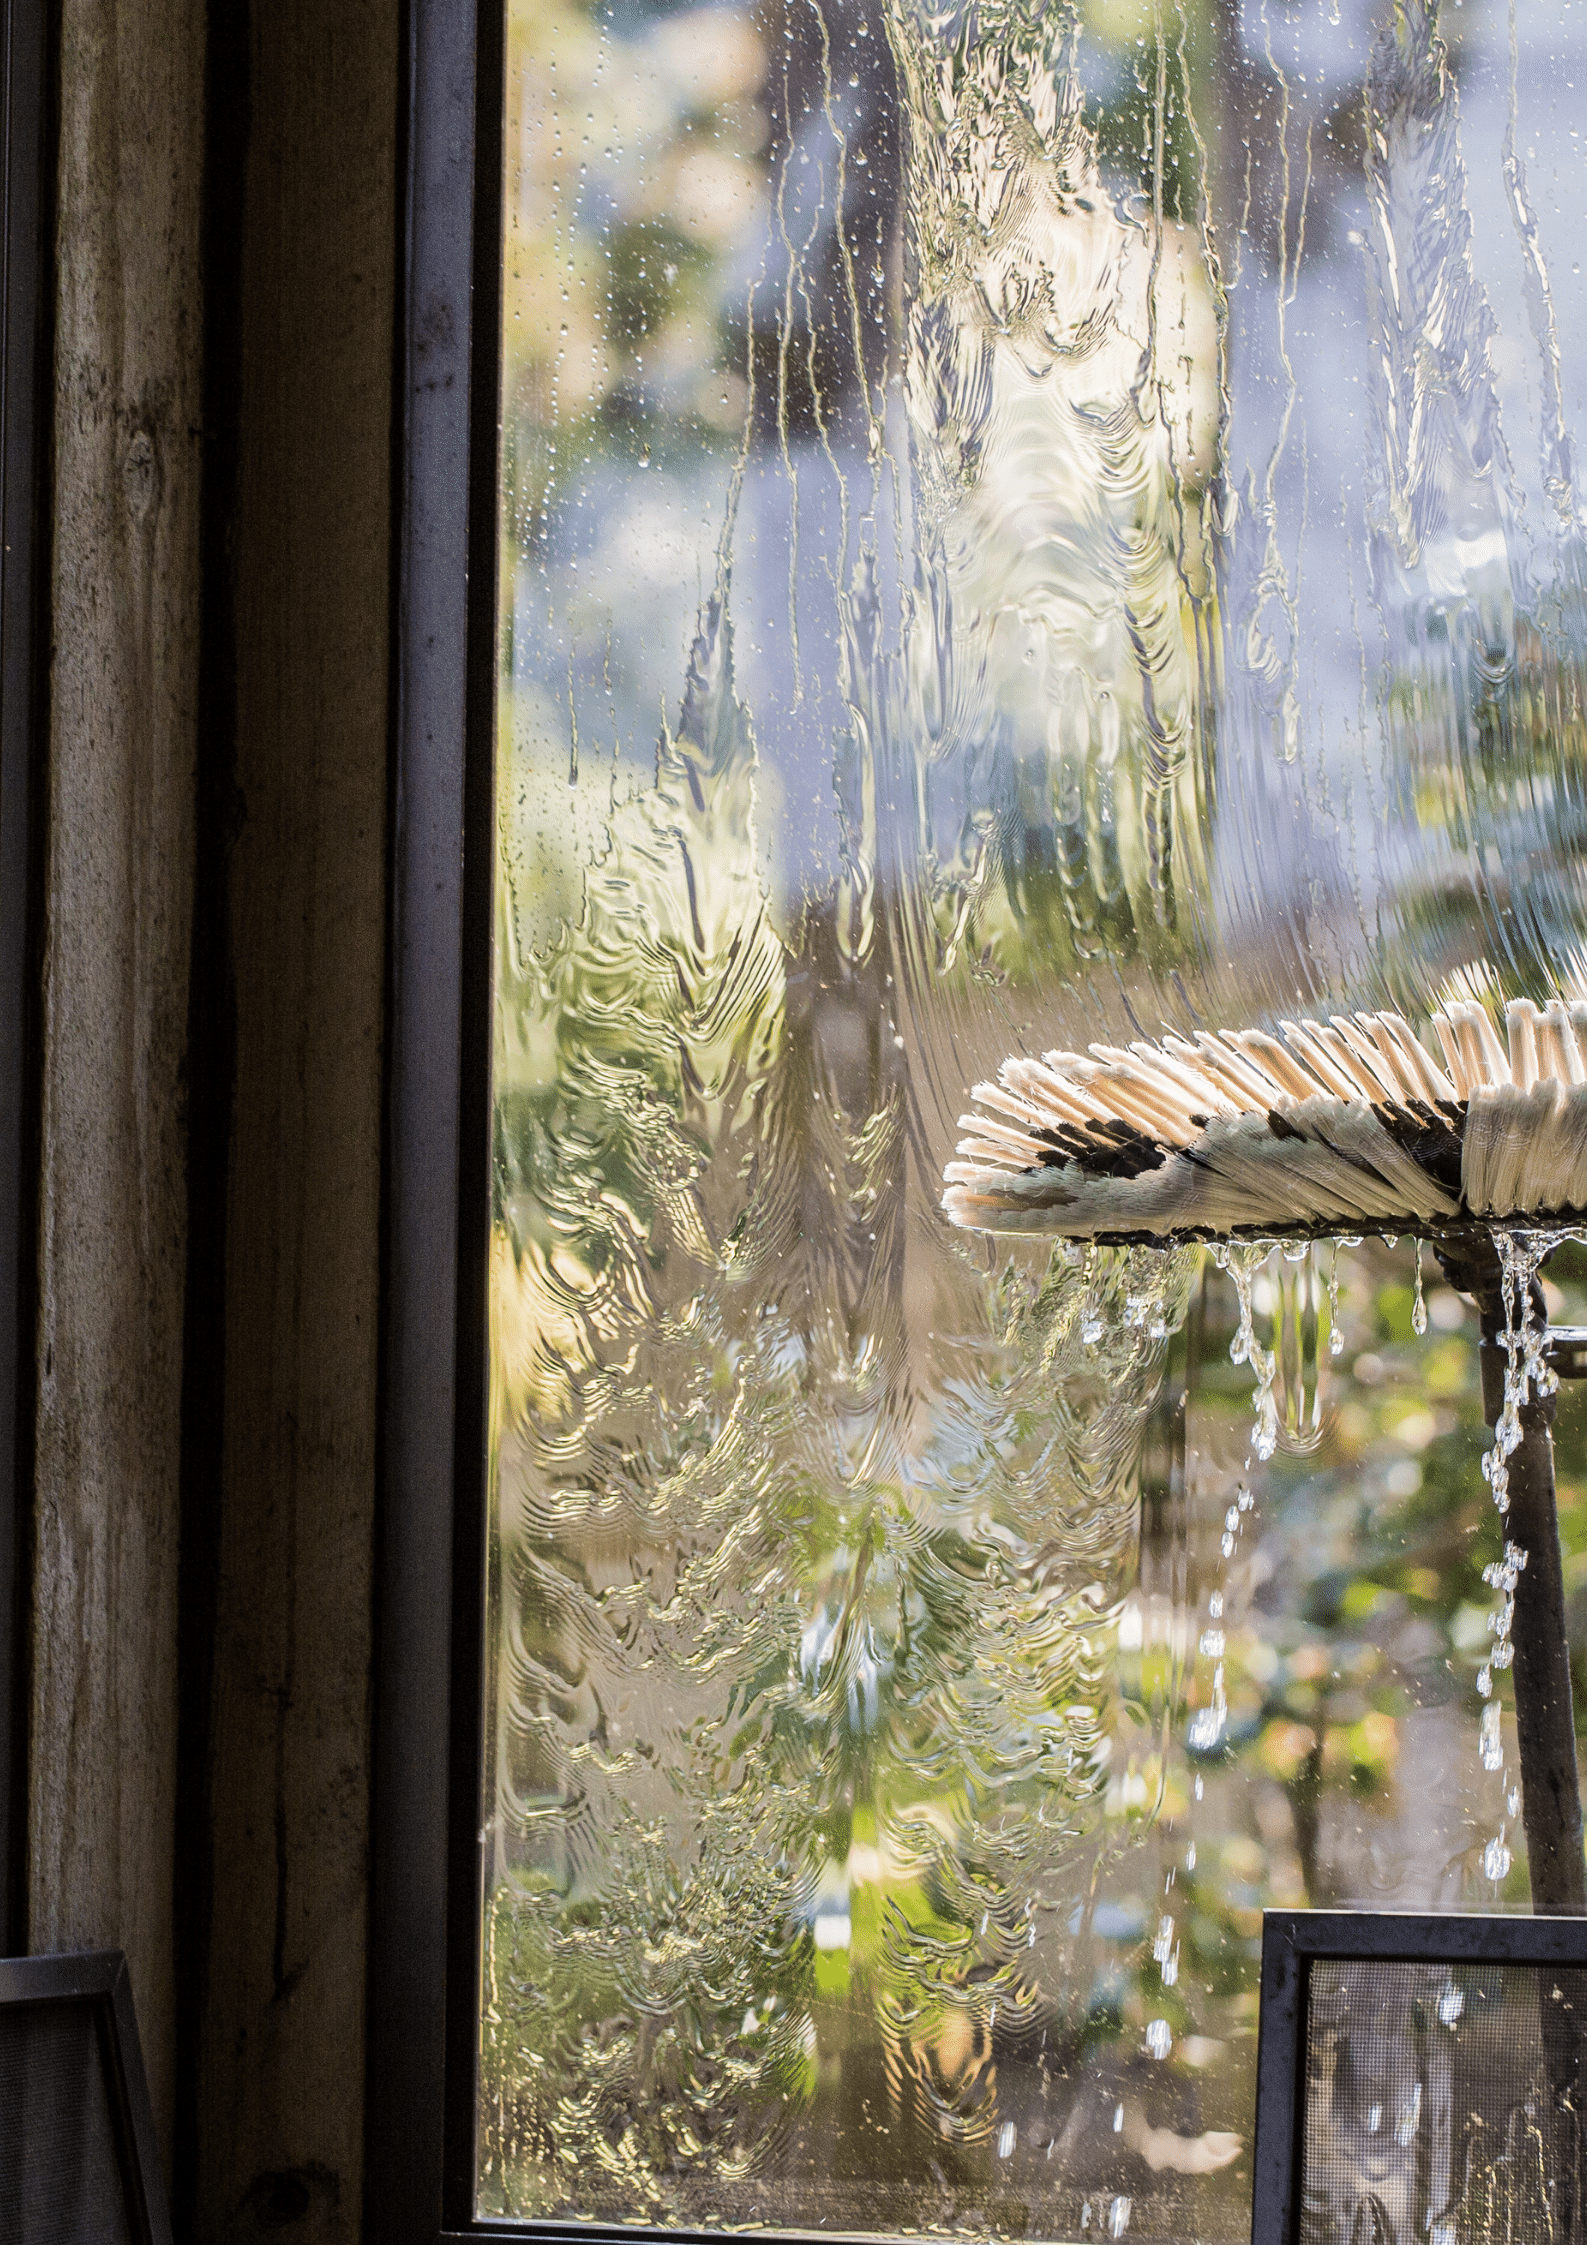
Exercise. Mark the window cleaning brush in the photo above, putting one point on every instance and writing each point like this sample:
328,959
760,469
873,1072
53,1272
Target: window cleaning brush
1341,1125
1346,1125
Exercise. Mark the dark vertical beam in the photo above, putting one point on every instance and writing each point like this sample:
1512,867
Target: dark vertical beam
286,1036
405,2147
116,899
211,1064
27,151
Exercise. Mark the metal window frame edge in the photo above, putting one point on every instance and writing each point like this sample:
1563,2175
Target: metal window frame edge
1292,1942
423,1941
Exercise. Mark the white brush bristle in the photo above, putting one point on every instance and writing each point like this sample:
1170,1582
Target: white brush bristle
1350,1123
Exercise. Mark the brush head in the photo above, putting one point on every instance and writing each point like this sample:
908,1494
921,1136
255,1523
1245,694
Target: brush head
1348,1125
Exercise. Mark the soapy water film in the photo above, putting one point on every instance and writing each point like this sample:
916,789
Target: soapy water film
1019,526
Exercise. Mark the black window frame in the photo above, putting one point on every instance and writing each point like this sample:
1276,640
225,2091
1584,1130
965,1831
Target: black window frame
1295,1940
424,1930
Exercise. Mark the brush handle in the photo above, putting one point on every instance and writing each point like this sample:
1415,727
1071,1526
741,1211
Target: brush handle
1544,1719
1544,1711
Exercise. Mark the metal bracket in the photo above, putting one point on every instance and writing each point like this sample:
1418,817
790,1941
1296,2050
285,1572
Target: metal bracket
1565,1347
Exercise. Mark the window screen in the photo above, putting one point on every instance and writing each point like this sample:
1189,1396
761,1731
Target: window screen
61,2180
1442,2103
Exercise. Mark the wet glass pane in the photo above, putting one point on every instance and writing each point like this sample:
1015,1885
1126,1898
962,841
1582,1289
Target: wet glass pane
1023,527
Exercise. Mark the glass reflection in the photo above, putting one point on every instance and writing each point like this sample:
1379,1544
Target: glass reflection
1020,524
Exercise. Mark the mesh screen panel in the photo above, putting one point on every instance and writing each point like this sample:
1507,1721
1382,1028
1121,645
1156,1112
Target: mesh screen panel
1441,2104
60,2177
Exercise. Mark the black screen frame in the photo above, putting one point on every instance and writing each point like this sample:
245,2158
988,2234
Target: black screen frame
98,1980
1292,1942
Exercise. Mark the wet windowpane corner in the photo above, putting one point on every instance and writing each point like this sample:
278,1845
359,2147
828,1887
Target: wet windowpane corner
1420,2079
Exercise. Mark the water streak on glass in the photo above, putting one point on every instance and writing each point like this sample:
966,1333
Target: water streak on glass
1021,524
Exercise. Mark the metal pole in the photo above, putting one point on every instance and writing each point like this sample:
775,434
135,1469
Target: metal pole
1544,1720
1544,1715
1544,1712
